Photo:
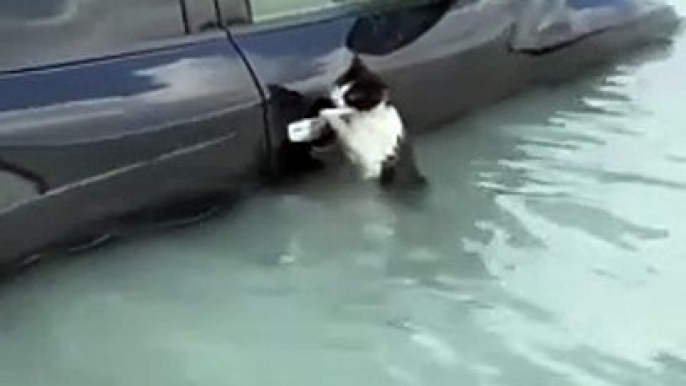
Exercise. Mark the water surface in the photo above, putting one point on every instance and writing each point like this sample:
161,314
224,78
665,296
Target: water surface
550,251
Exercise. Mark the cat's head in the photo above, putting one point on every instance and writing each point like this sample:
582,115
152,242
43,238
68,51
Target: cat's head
359,88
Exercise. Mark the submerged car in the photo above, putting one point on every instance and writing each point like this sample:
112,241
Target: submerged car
112,111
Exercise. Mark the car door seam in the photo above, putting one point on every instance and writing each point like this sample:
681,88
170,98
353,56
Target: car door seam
258,85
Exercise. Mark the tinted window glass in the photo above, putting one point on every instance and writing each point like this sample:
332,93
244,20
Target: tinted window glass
271,9
38,32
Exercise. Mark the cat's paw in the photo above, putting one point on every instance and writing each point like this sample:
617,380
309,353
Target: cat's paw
305,130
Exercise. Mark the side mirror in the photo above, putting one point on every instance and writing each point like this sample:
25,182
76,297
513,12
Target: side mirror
385,32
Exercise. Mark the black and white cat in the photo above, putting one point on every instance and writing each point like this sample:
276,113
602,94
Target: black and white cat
367,126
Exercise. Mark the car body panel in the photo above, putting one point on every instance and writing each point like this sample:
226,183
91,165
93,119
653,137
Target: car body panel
84,144
112,144
442,60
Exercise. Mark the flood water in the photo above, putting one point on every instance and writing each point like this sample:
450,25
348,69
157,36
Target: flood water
550,251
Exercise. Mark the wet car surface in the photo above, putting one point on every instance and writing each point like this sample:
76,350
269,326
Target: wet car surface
141,117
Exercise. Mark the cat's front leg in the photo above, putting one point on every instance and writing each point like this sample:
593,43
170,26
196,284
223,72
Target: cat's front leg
337,118
306,130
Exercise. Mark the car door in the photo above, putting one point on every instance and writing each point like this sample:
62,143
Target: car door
441,58
110,106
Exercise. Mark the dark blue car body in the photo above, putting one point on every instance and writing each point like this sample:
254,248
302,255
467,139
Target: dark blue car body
90,137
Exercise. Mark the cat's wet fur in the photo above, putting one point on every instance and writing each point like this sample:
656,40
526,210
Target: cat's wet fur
373,133
362,120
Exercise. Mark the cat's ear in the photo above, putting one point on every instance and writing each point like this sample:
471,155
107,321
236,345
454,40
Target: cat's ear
357,63
354,70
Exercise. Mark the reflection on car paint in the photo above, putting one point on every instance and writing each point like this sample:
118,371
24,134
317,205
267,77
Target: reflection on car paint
110,135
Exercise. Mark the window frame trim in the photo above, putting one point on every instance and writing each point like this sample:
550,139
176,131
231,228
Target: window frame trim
314,16
151,47
187,37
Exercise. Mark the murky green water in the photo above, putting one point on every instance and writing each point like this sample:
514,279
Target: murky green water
551,251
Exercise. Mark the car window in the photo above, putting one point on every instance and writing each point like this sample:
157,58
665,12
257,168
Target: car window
263,10
39,32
